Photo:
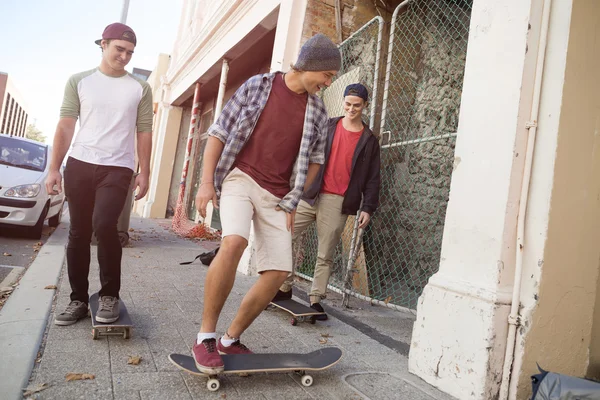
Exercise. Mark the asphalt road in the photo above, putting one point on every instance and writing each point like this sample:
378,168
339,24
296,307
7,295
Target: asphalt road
18,251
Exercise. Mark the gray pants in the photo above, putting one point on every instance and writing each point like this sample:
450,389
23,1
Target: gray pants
327,212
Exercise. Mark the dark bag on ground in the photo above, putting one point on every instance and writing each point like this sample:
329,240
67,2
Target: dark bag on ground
205,258
553,386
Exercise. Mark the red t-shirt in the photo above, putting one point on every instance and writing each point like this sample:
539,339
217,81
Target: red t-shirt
270,153
337,173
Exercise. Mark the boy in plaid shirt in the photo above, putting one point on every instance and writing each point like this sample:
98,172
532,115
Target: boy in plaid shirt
265,148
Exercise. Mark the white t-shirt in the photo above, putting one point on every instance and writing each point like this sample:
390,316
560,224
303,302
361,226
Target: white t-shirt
109,110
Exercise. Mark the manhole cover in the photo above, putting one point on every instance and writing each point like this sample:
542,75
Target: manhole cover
385,386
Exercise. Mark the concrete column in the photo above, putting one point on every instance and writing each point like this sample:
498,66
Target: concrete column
288,34
162,166
460,333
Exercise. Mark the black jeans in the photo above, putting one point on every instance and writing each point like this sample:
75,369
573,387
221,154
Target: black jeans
96,195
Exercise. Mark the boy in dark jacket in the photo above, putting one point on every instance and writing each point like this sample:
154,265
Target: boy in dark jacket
350,173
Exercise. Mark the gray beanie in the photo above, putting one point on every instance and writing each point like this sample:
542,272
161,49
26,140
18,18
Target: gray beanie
319,53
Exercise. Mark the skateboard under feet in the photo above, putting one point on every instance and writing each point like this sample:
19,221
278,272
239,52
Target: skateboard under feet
244,364
121,327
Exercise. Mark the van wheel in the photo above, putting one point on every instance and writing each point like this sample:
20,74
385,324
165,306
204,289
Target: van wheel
35,232
54,221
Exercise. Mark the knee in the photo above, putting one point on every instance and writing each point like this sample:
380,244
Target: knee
78,236
232,246
102,227
77,239
278,277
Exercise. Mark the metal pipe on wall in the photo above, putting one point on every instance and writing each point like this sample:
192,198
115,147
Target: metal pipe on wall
222,89
514,317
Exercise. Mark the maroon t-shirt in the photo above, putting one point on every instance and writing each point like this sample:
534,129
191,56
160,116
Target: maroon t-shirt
270,153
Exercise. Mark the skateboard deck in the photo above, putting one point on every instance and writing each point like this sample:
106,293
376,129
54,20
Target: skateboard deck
249,363
121,327
299,311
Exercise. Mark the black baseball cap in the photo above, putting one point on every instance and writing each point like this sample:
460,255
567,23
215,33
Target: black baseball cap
356,89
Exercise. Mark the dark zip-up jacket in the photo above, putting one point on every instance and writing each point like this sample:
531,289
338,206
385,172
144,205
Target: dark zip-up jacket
365,176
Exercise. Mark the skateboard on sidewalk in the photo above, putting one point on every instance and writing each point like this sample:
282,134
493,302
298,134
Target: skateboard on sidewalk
121,327
300,312
244,364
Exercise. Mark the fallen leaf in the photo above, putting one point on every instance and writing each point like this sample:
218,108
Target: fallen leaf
35,389
323,341
7,254
78,377
134,360
387,300
39,244
131,230
223,396
5,290
326,335
50,287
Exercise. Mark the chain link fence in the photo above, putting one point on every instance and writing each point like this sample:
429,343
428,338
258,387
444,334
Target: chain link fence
419,119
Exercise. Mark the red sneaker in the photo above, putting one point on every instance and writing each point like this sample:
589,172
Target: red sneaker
207,357
235,348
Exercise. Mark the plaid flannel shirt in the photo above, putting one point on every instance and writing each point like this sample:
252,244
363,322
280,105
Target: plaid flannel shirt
238,119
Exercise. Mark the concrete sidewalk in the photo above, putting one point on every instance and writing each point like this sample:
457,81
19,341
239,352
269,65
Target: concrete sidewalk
165,303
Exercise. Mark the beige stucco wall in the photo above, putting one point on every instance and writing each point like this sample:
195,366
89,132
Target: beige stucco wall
594,367
154,80
557,333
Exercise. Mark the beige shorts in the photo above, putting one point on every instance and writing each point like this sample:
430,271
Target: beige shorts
243,201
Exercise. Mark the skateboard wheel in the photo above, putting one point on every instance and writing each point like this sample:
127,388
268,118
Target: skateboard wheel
213,385
127,334
313,319
95,334
123,238
294,322
307,380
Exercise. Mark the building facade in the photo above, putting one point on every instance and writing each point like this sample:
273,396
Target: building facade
13,108
487,113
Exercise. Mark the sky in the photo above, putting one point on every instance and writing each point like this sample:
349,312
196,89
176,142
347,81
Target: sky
43,42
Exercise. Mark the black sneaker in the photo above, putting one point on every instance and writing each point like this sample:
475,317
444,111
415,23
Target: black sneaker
74,312
282,295
319,308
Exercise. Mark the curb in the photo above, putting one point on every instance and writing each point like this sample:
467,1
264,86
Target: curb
12,276
391,343
24,317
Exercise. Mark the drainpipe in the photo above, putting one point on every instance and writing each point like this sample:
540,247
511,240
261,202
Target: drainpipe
338,20
222,88
124,11
514,317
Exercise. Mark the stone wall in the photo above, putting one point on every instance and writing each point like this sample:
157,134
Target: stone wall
320,17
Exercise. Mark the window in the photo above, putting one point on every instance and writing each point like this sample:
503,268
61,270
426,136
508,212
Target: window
22,154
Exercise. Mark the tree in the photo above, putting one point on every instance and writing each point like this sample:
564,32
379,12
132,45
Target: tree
34,133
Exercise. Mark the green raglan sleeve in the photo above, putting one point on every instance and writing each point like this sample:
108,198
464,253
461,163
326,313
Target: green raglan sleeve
145,110
70,105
